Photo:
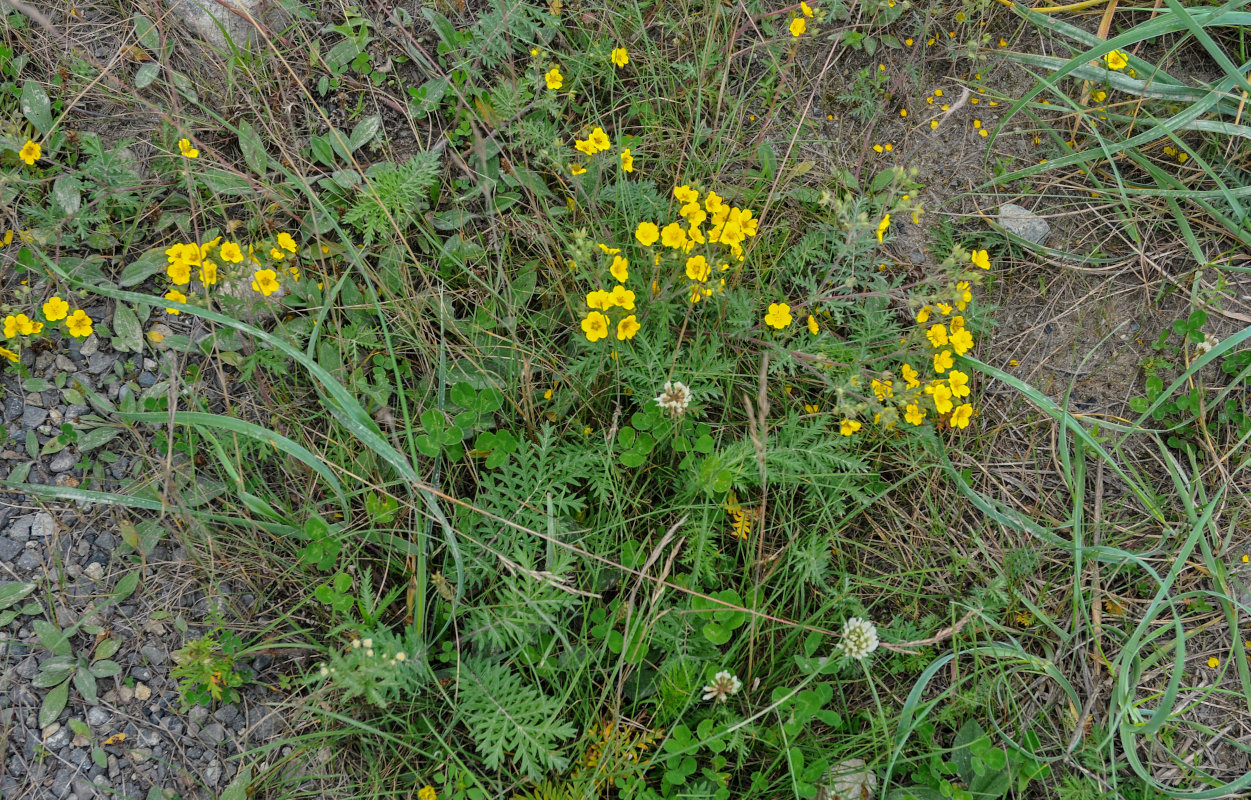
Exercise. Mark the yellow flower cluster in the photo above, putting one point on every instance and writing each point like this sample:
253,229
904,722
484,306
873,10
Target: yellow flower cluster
188,259
596,324
598,142
55,309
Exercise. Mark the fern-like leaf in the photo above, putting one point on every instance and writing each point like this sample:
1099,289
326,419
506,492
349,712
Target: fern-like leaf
510,719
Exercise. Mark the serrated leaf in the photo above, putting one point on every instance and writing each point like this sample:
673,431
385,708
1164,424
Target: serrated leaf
146,74
53,704
253,149
128,332
36,107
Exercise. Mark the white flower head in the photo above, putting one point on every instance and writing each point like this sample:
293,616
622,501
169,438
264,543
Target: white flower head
723,685
1209,341
859,638
675,398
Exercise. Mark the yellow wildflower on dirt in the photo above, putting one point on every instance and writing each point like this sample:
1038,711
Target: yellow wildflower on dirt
286,242
55,309
554,79
798,26
208,273
943,308
1116,60
176,296
959,383
599,299
627,327
813,327
962,341
30,152
961,415
231,253
184,147
937,334
595,326
265,281
1214,662
980,259
78,324
10,327
577,169
427,793
805,9
943,361
673,236
914,414
9,354
627,160
179,272
923,315
883,226
599,140
276,254
647,233
621,296
883,390
697,268
849,426
779,315
620,269
910,376
620,57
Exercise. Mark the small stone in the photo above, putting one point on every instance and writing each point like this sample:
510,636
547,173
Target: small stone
100,363
125,693
81,740
33,417
63,462
146,379
9,550
57,740
215,24
89,346
142,692
153,654
29,559
64,364
213,733
95,571
1022,222
226,714
43,526
139,755
97,717
212,773
13,407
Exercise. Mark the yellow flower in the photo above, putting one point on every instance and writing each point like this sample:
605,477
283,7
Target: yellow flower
55,309
184,147
957,324
914,414
265,281
805,8
779,315
599,140
208,273
286,242
627,160
427,793
1214,662
612,251
179,272
577,169
620,269
910,376
943,361
882,389
24,325
276,254
685,194
295,271
1116,60
647,233
30,152
79,324
813,327
10,327
883,226
599,299
231,253
673,235
961,416
554,79
848,426
621,296
8,238
811,408
980,259
177,296
9,354
961,341
966,295
697,268
937,334
923,315
959,383
798,26
620,57
943,308
595,326
627,327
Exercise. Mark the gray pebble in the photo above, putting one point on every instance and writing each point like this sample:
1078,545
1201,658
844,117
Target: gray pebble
9,549
33,417
100,363
1022,222
64,461
29,560
57,740
64,783
43,526
213,733
212,773
97,717
64,364
90,346
146,379
153,654
20,531
13,406
226,714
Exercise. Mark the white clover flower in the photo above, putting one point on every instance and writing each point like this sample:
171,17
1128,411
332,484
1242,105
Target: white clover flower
369,652
675,398
356,643
323,671
1209,341
723,685
368,643
400,656
859,638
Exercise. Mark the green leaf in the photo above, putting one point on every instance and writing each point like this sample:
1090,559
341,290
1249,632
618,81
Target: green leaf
53,704
107,648
626,437
12,591
322,150
146,32
768,159
716,633
142,268
253,149
97,437
99,757
126,587
463,395
146,74
51,636
237,789
105,668
364,131
85,683
128,331
79,727
67,191
36,107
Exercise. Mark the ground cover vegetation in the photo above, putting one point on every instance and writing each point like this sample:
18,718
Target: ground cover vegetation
594,435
